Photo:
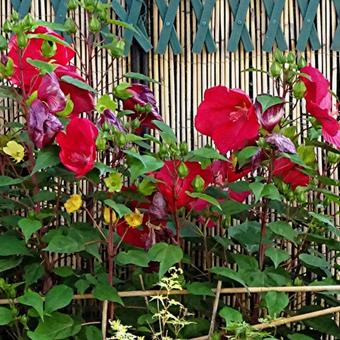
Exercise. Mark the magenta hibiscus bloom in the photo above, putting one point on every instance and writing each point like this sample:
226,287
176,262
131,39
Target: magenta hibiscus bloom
319,103
290,172
78,146
25,74
228,117
83,100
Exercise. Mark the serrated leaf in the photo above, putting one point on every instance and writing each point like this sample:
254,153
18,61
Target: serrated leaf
78,83
165,131
33,272
270,191
257,188
208,153
140,76
58,297
43,66
284,230
314,261
205,197
277,256
228,273
64,245
5,181
245,155
49,37
166,254
29,226
46,158
137,257
230,315
119,208
268,101
103,291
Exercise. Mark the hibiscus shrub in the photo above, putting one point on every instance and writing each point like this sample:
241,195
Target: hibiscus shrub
98,196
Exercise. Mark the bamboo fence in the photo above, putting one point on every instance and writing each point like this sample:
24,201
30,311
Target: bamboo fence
184,77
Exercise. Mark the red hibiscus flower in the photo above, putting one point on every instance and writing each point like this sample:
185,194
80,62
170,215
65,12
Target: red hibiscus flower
26,75
78,146
144,104
319,103
174,188
290,173
228,117
83,100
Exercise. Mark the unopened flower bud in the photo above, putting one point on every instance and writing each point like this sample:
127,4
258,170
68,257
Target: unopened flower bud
183,149
7,27
301,62
198,183
3,43
28,22
70,26
72,5
183,170
121,139
279,57
333,158
299,89
9,67
15,16
95,25
291,58
48,48
275,70
22,40
101,143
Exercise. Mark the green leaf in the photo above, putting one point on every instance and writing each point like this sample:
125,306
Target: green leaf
230,315
166,132
49,37
34,300
257,188
140,76
29,226
78,83
166,254
142,164
52,25
64,245
65,271
7,92
5,181
6,316
231,207
326,221
247,234
58,297
46,158
245,155
228,273
268,101
120,209
276,302
200,288
103,291
11,245
57,326
314,261
136,257
277,255
43,66
207,153
306,153
284,230
33,272
204,197
270,191
7,263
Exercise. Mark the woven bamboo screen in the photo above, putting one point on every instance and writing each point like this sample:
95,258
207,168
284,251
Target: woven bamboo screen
184,77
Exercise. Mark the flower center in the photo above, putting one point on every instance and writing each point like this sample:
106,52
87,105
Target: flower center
240,112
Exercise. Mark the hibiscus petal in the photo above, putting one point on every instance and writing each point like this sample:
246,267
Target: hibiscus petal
335,140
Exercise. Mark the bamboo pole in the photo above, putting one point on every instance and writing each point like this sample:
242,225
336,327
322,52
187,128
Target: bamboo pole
285,321
237,290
